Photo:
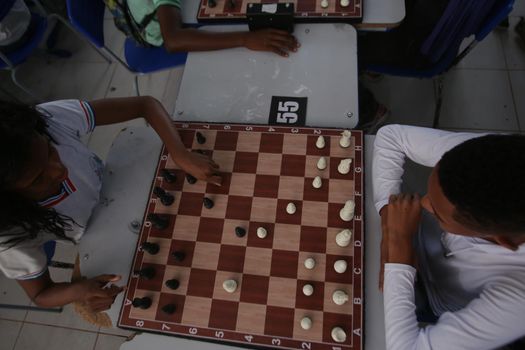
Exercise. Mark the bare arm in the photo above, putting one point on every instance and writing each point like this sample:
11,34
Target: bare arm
178,39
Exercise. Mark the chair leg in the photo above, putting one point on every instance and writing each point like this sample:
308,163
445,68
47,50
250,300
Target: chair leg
30,308
438,88
22,87
136,85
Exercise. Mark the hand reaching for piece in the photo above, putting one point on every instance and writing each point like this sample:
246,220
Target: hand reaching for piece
200,166
273,40
93,293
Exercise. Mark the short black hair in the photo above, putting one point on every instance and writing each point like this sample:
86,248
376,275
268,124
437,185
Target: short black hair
484,178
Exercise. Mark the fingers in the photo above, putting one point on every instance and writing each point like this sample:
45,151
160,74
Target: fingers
107,278
216,180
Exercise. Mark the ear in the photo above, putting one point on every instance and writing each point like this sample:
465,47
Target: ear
506,242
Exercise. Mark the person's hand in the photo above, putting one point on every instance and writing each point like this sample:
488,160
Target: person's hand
96,295
384,244
273,40
200,166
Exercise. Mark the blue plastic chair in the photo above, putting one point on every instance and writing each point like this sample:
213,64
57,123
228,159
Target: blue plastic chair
87,17
450,58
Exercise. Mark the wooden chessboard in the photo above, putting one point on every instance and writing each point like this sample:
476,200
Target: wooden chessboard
264,168
305,10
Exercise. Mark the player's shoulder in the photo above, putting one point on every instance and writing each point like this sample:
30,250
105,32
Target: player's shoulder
72,115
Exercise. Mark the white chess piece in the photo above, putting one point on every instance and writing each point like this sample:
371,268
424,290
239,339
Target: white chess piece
347,212
343,238
321,163
320,142
317,183
261,232
324,3
339,297
309,263
344,166
229,285
340,266
291,208
345,3
306,323
338,335
308,289
345,139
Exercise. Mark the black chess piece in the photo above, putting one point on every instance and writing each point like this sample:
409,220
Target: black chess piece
166,198
231,3
212,3
179,256
168,176
240,232
208,203
151,248
201,140
191,179
142,303
172,284
147,272
159,221
169,309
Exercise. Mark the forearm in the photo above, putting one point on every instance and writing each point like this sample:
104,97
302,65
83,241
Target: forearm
190,39
58,294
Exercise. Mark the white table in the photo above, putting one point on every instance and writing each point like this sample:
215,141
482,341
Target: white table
238,84
109,244
378,14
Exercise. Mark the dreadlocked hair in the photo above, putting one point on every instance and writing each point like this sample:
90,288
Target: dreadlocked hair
21,218
485,180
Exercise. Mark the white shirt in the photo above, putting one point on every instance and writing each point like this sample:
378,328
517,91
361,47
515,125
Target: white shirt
68,121
477,287
15,23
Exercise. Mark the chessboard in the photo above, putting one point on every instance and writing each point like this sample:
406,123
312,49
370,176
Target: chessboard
305,10
234,263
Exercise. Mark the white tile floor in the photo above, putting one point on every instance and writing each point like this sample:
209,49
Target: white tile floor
484,92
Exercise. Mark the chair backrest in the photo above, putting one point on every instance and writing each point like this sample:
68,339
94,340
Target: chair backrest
87,16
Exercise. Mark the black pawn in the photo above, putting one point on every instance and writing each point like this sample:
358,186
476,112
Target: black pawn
240,232
208,203
191,179
212,3
143,303
147,272
151,248
169,309
160,222
166,198
172,284
201,140
168,176
179,256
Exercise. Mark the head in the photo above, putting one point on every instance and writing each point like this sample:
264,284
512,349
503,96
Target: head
31,170
478,189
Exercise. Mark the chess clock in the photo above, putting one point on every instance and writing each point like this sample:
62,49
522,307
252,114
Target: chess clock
278,16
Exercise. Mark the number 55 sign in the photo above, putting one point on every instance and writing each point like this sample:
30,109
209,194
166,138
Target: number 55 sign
288,111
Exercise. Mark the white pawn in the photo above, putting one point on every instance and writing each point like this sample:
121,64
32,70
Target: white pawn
347,212
320,142
339,297
308,290
229,285
317,183
344,166
340,266
338,334
343,238
309,263
345,139
306,323
261,232
321,163
345,3
291,208
324,4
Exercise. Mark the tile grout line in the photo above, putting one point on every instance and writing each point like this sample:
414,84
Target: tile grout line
96,341
57,326
18,335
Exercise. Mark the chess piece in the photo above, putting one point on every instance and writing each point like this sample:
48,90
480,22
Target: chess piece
321,163
340,266
291,208
168,176
150,248
347,212
208,203
172,284
306,323
240,232
231,3
317,183
166,198
324,3
308,290
159,221
178,256
339,297
142,303
345,3
320,143
338,335
261,232
343,238
169,309
212,3
147,272
201,140
229,285
345,139
344,166
191,179
309,263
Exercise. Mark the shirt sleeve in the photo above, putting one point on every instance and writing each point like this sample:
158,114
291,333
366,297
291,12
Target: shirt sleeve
395,143
73,117
493,319
23,262
158,3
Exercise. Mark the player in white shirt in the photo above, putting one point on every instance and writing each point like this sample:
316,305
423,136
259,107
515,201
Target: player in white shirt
468,246
50,183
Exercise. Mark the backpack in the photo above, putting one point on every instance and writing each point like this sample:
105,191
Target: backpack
125,22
